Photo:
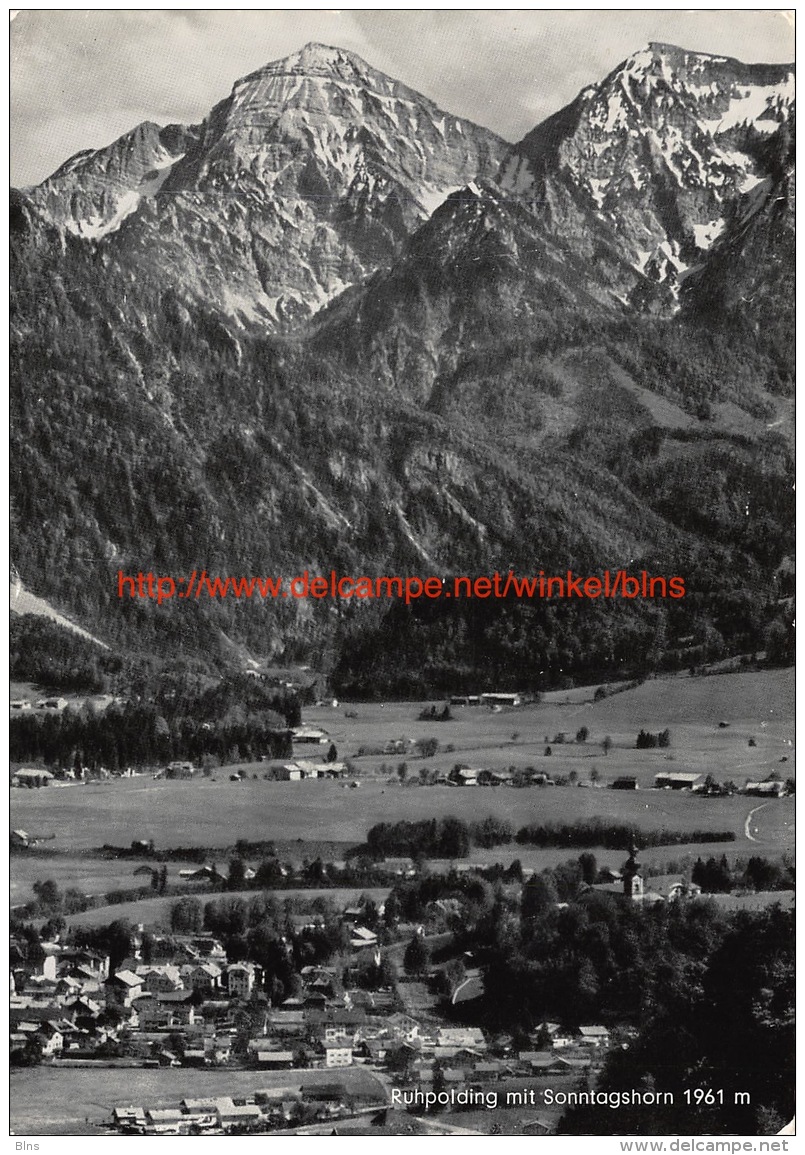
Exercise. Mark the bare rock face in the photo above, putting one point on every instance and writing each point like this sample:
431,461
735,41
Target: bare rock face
317,170
312,173
666,149
91,194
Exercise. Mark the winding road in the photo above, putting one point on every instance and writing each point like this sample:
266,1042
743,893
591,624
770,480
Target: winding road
749,819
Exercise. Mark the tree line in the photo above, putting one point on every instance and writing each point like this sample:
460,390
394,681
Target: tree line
453,837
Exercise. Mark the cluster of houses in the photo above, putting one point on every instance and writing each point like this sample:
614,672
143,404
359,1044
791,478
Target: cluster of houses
301,768
702,784
35,777
66,1004
493,700
188,1005
474,776
22,705
453,1056
259,1111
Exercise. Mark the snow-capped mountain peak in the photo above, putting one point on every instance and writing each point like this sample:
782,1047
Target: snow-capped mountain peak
666,145
317,169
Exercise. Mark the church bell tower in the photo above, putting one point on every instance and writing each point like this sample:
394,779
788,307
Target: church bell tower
632,882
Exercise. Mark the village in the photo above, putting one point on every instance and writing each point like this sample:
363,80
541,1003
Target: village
194,1008
376,1001
308,936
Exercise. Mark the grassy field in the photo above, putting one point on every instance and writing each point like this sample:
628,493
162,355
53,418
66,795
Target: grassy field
89,875
654,860
209,813
95,875
216,813
155,912
755,705
75,1101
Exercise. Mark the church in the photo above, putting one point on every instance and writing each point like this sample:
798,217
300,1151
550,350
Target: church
631,886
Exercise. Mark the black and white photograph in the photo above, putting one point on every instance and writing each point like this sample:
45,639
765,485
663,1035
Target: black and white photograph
402,575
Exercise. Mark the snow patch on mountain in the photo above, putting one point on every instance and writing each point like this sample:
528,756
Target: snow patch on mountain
762,106
704,235
431,198
93,228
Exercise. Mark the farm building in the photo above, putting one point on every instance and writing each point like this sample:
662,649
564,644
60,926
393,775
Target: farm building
594,1036
362,938
306,735
625,783
52,704
495,778
765,789
179,770
284,772
501,699
20,704
678,781
402,867
165,1122
464,776
308,769
20,840
276,1060
27,777
128,1118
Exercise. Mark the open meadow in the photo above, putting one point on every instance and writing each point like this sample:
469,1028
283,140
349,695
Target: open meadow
214,814
711,721
53,1100
757,706
91,875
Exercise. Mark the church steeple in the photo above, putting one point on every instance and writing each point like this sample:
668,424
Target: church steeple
632,882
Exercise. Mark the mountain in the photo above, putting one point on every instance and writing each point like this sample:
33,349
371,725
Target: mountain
668,148
332,327
314,171
93,192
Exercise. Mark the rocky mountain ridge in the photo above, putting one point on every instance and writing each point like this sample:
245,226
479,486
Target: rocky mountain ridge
317,169
669,148
311,174
341,329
